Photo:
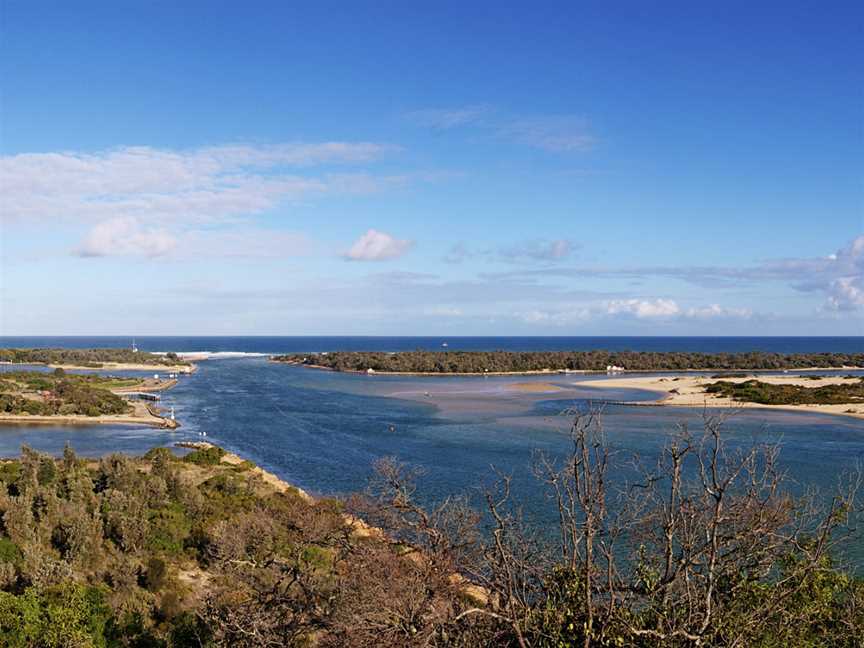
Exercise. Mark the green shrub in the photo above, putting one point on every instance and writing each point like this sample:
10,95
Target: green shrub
9,551
205,456
169,528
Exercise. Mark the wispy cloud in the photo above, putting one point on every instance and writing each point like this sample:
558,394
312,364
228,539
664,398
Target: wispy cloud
457,254
377,246
838,277
446,118
559,133
199,185
129,237
538,250
556,133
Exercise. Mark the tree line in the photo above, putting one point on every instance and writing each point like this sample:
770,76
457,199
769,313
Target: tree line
519,361
87,357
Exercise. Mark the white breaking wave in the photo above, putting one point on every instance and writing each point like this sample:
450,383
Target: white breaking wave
214,355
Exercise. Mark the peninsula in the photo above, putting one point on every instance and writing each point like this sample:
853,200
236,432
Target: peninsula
436,363
115,359
60,398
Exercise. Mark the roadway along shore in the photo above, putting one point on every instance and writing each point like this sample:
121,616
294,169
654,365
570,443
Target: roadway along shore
689,391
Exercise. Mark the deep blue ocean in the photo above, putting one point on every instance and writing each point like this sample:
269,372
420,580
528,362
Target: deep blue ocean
310,344
323,430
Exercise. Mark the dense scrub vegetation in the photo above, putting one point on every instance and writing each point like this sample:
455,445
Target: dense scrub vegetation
94,358
511,361
755,391
60,393
169,552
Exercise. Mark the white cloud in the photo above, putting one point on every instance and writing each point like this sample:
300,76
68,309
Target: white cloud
566,316
846,289
200,185
846,293
715,311
128,237
643,309
125,236
377,246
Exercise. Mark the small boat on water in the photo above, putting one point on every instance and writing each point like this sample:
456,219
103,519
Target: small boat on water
443,344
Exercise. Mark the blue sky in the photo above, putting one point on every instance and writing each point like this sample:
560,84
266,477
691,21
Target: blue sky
398,168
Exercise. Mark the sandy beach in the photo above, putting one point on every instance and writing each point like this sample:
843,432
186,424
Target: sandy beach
115,366
689,391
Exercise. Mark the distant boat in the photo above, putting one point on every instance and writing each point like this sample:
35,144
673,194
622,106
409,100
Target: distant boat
443,344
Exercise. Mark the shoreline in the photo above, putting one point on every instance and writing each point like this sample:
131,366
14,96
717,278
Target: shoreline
116,366
558,372
359,527
151,420
142,413
689,392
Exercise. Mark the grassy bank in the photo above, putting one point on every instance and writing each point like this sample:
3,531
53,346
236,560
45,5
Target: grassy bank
755,391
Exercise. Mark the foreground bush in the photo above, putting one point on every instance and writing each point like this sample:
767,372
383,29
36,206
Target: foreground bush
706,549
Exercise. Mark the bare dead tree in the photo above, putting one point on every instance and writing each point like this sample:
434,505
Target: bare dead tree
704,547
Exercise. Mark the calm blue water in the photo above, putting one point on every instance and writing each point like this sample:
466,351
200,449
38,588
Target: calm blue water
323,430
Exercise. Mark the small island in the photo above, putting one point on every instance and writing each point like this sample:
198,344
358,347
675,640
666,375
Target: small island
28,397
116,359
437,363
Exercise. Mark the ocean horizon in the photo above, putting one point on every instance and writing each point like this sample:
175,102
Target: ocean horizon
263,344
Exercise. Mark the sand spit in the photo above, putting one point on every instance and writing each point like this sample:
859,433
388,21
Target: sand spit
142,414
689,391
534,387
116,366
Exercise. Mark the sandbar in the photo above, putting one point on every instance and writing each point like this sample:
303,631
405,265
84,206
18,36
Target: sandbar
689,391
